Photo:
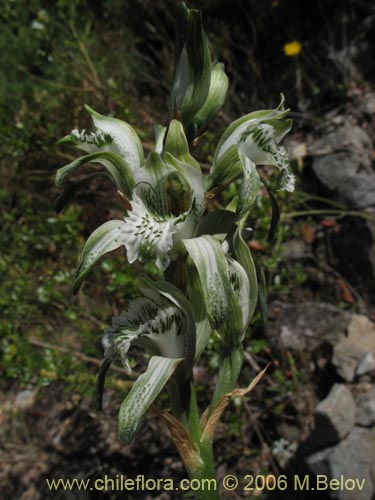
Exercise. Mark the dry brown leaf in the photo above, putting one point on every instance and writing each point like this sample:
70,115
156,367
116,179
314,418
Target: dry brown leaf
214,418
183,441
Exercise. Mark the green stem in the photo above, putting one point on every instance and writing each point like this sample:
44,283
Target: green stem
230,367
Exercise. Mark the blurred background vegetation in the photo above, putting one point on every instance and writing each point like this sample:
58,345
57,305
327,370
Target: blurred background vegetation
116,56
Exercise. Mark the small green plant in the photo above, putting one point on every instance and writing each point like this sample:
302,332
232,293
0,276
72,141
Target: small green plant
204,278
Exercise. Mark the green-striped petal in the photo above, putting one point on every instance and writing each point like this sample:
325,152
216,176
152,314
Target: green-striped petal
117,167
104,239
125,140
222,307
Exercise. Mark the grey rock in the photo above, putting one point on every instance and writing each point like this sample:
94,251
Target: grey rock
366,364
335,415
305,326
353,458
364,398
342,163
367,105
349,351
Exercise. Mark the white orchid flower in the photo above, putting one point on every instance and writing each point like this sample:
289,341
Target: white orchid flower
166,193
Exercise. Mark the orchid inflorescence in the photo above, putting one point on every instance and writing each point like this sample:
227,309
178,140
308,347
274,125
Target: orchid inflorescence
209,280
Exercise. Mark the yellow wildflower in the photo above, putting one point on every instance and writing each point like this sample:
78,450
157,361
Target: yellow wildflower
292,49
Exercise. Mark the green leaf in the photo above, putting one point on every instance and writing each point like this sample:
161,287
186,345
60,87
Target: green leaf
215,99
117,167
262,299
274,217
244,257
230,367
74,188
104,239
125,140
96,401
143,393
214,223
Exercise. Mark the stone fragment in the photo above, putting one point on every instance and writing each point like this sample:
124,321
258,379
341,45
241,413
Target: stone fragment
364,398
349,351
335,415
305,326
353,458
366,364
342,163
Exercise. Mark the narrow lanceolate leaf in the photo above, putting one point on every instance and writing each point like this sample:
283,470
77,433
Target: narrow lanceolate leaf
161,321
274,217
229,370
215,99
262,300
223,310
143,393
97,398
177,145
249,187
116,166
244,257
104,239
125,140
74,188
